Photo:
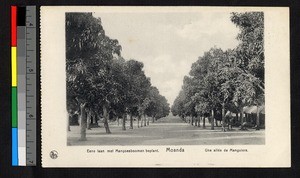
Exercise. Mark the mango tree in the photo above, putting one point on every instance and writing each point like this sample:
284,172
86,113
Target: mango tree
88,56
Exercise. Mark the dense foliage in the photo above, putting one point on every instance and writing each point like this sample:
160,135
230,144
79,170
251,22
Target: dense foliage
221,81
100,83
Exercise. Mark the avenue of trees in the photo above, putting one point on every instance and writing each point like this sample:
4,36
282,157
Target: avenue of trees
103,86
221,81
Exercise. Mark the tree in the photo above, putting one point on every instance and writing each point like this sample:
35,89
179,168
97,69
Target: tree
209,92
88,58
163,107
250,53
142,110
139,85
153,107
177,107
143,84
227,80
122,87
189,88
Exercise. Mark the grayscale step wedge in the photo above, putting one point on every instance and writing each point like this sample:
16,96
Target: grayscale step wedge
31,94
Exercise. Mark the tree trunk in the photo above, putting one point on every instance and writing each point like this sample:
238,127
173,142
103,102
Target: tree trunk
92,119
96,119
105,115
68,116
148,121
192,120
138,121
223,117
152,119
203,121
145,120
257,119
124,121
241,115
88,125
131,122
212,122
229,121
82,123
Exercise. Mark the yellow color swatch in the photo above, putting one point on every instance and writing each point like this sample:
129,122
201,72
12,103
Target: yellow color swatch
14,66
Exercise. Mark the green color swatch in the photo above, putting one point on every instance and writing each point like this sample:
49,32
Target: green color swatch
14,108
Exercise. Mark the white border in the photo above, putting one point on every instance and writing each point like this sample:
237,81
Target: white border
275,153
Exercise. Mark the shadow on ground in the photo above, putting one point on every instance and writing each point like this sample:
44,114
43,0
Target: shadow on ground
166,131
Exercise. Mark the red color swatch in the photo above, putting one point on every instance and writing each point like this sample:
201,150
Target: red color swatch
13,26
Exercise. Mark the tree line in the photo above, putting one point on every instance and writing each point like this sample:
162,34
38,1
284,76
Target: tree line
221,81
101,83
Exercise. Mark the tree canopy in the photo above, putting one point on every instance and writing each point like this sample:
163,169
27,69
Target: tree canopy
227,80
99,80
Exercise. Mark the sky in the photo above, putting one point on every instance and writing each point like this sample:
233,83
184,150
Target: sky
168,43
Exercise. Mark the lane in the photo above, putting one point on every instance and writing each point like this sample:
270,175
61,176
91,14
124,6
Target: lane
166,131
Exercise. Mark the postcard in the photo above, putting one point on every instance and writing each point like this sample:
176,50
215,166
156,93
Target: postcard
184,86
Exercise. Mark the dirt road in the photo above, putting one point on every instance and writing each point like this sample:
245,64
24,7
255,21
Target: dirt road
166,131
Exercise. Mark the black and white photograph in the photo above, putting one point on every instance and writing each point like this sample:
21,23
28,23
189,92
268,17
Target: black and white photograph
192,78
176,86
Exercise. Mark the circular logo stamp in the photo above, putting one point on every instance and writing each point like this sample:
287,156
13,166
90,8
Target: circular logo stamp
53,154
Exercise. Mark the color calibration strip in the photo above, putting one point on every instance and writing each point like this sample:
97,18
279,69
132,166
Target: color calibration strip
14,121
23,62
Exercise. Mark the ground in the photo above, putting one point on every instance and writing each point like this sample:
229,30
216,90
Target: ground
166,131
